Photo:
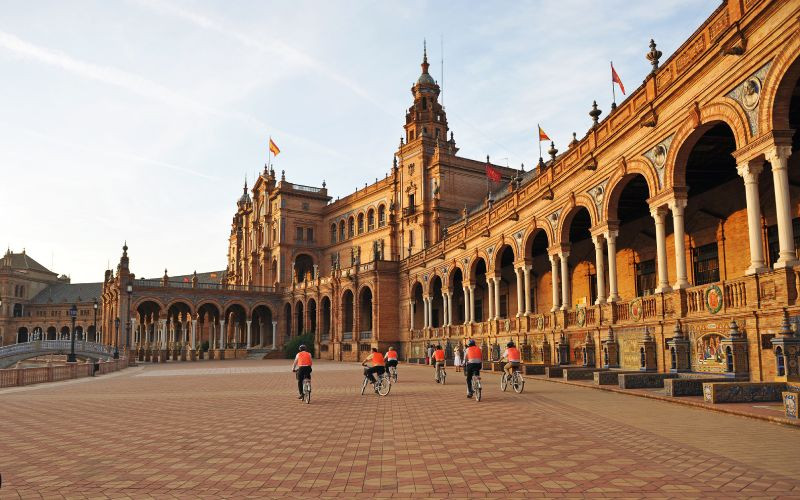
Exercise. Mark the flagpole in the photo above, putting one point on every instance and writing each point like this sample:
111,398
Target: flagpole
539,133
269,153
613,91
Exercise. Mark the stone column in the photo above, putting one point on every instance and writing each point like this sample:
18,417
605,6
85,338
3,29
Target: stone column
749,172
249,332
194,333
554,276
133,332
600,267
778,157
274,334
411,314
472,303
678,206
526,273
466,304
445,309
565,299
659,214
162,338
520,291
449,308
222,334
425,317
497,297
611,241
490,288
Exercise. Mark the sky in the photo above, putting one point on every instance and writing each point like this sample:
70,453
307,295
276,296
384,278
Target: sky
139,120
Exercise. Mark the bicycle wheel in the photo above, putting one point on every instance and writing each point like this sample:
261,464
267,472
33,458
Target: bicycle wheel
394,373
519,383
504,381
364,385
384,386
476,382
307,391
444,376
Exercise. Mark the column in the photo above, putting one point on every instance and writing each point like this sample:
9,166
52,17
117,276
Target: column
526,274
274,334
424,312
133,331
490,288
429,301
611,241
678,206
449,308
411,314
565,299
554,279
446,310
520,291
162,340
194,333
466,304
472,303
222,334
659,214
249,332
750,172
600,267
778,157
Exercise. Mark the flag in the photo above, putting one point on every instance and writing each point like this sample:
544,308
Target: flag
185,280
273,147
542,135
615,79
492,173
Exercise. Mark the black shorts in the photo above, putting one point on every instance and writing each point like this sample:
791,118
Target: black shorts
391,362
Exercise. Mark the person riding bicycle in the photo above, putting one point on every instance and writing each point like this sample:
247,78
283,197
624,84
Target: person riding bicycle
438,360
391,358
378,365
302,366
513,356
473,362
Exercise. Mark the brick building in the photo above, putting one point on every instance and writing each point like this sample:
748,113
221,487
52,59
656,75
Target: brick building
677,211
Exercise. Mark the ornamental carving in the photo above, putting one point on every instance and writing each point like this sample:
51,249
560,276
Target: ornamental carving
713,299
552,219
748,95
691,53
598,194
658,158
636,309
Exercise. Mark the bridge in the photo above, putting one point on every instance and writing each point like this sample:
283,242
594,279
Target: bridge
11,354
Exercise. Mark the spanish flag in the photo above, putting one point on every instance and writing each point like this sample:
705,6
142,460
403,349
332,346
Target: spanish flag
542,135
273,147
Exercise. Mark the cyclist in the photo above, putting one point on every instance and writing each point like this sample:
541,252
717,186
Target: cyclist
512,355
473,363
391,358
438,360
302,366
378,365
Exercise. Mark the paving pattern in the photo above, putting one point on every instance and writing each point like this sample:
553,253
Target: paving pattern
234,429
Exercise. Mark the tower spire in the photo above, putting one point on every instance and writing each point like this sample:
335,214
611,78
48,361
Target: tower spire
425,64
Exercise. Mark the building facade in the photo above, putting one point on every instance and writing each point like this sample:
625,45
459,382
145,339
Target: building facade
677,212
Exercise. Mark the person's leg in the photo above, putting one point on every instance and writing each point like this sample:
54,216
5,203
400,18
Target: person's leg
507,368
300,381
368,374
468,370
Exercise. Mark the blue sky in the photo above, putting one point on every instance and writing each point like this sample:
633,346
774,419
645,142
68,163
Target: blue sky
140,119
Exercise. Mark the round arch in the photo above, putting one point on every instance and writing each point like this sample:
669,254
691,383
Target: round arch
615,190
498,254
569,214
776,93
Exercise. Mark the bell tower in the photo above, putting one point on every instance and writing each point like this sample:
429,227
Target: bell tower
426,118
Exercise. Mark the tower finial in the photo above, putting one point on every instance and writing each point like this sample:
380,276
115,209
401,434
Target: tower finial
425,64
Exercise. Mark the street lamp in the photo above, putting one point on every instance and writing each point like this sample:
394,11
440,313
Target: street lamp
116,338
94,325
73,312
128,289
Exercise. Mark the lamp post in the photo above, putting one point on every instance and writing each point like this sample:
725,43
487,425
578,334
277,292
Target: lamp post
73,312
94,323
128,289
116,338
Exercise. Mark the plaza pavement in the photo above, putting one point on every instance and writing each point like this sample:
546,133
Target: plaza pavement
234,429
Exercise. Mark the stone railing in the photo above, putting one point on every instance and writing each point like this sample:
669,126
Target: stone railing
15,377
365,335
347,335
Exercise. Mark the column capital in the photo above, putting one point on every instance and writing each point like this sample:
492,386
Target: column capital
778,154
678,204
750,170
598,240
658,213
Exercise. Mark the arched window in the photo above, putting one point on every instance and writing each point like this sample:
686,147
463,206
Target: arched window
351,226
360,223
341,230
370,220
381,216
333,233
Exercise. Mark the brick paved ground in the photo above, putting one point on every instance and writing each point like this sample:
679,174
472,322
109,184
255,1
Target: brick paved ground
234,429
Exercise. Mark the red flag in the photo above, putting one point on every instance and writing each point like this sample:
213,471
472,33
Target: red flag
615,79
493,174
185,280
542,135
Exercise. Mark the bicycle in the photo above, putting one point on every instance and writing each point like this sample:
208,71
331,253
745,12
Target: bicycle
307,390
476,387
393,374
441,375
516,381
382,386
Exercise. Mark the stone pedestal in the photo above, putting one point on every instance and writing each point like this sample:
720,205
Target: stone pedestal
610,351
678,351
647,353
547,354
562,350
786,347
588,351
192,355
735,349
175,352
220,354
164,356
140,354
184,353
200,353
148,354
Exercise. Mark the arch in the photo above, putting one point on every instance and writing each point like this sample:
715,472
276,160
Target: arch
360,222
261,318
688,134
235,317
370,219
287,320
614,191
303,267
142,300
91,334
38,334
500,249
777,88
300,317
351,227
581,202
274,269
347,311
365,311
235,302
79,332
431,278
456,279
418,305
180,303
64,333
341,230
325,318
333,233
480,258
22,335
532,239
435,285
206,303
52,334
311,311
381,215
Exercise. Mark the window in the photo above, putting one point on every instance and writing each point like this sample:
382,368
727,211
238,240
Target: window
706,264
645,277
360,223
381,216
773,245
347,347
370,220
310,234
504,305
299,236
351,224
592,288
411,203
410,238
341,231
333,233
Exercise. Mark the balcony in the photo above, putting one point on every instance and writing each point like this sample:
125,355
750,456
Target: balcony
365,336
409,210
347,336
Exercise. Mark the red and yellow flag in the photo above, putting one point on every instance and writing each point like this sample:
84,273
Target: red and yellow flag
542,135
273,147
616,79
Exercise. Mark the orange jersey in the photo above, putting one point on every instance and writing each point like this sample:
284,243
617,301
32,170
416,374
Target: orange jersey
473,354
303,358
513,354
391,355
377,359
438,355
